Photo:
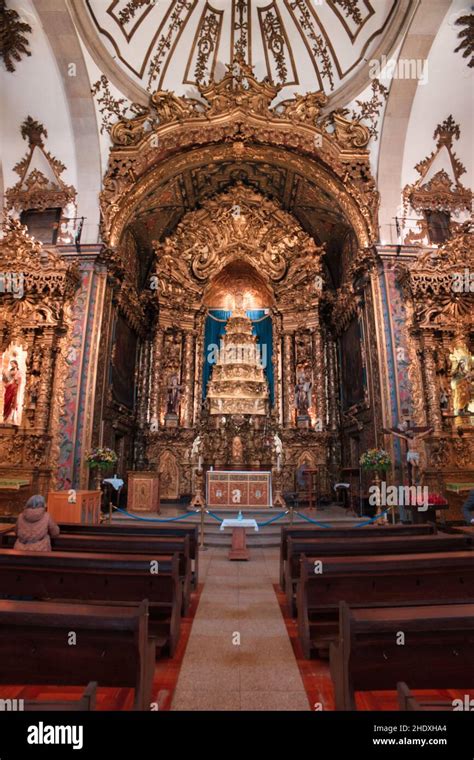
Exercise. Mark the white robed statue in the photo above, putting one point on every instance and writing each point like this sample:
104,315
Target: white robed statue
196,450
278,446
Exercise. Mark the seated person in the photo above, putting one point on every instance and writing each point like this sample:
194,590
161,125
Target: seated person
34,527
468,508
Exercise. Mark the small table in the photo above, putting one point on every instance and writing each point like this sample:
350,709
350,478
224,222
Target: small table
239,550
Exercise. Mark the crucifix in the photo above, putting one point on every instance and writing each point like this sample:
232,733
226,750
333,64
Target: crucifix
412,435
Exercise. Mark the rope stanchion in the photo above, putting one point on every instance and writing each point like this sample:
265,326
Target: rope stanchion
154,519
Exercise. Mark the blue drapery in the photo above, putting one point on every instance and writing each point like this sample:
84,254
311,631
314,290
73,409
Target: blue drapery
261,327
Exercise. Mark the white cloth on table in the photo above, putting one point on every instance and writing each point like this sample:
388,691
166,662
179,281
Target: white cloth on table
234,523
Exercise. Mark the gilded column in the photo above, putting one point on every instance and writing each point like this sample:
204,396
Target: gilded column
333,389
155,396
432,396
188,379
288,382
319,374
46,378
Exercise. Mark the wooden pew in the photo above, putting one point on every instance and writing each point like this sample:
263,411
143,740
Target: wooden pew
85,703
144,530
368,581
406,701
317,548
326,533
100,578
438,650
113,646
155,546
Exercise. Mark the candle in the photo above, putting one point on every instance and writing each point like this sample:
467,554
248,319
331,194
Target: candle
200,462
278,462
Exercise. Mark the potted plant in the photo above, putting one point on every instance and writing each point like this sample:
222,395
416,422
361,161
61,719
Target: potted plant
101,459
377,461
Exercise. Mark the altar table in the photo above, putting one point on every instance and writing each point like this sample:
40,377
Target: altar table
239,550
238,488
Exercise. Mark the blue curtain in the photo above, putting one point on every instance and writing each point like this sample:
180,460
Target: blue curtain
214,330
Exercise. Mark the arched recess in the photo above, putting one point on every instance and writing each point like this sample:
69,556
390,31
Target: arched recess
64,41
417,45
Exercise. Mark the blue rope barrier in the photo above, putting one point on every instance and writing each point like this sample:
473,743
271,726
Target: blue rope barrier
360,525
316,522
214,516
154,519
268,522
372,519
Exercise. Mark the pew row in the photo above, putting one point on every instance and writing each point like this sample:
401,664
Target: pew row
309,531
155,546
318,548
151,529
109,579
438,650
113,646
368,581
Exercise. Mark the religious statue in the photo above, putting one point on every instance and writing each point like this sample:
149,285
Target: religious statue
412,436
303,394
196,447
174,395
278,446
12,381
463,377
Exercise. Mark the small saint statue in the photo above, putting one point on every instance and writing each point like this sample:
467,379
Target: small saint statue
303,394
278,446
174,395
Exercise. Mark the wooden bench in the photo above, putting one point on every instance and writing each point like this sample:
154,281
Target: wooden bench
113,646
438,650
406,701
326,533
155,546
317,548
100,578
368,581
144,530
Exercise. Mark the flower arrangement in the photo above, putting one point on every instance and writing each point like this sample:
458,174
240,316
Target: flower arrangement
375,459
101,458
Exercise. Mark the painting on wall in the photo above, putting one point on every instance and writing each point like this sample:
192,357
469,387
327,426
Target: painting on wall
12,392
124,353
352,366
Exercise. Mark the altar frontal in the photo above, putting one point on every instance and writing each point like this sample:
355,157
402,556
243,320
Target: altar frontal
233,489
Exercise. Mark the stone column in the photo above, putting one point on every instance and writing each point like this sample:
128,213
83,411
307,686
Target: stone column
188,380
319,374
288,380
432,394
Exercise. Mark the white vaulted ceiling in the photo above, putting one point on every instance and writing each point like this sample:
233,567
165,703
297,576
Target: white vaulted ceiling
303,45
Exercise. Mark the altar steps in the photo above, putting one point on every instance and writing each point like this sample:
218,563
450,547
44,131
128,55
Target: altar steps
267,536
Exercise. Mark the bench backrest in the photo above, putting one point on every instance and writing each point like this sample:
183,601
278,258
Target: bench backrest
367,581
89,576
370,545
438,652
111,644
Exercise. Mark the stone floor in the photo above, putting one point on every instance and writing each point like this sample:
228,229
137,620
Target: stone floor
260,673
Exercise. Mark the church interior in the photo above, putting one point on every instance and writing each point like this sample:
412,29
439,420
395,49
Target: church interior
237,356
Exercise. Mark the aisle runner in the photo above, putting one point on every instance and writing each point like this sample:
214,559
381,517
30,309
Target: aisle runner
238,603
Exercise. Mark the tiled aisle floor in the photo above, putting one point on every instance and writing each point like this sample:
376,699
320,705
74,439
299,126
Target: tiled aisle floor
259,674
